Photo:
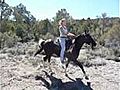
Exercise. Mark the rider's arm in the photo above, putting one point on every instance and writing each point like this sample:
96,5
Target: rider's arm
71,34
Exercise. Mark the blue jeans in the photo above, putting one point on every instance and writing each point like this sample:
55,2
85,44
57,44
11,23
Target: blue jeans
62,44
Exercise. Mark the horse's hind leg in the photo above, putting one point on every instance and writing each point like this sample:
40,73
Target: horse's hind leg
67,67
45,58
49,57
38,51
81,66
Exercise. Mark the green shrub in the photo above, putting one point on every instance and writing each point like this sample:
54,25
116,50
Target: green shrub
47,36
111,37
8,39
114,33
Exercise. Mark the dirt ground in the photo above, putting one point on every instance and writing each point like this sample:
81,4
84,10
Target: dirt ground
25,72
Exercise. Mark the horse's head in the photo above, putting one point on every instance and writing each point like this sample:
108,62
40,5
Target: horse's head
85,38
89,40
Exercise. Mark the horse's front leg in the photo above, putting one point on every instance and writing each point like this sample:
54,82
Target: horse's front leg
81,66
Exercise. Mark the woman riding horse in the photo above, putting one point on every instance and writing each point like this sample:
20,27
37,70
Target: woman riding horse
71,54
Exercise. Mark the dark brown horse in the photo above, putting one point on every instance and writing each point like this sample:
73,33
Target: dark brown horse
71,54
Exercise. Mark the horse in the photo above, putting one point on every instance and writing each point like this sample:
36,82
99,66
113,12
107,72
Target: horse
71,54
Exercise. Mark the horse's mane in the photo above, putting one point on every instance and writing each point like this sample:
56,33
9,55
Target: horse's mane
79,36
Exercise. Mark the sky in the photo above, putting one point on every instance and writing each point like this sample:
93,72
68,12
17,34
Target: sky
78,9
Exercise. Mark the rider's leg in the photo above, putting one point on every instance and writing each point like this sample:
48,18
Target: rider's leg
62,43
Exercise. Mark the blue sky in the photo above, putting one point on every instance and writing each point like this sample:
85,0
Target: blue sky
78,9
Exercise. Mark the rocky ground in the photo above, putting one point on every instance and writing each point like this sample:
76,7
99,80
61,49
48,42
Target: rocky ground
19,70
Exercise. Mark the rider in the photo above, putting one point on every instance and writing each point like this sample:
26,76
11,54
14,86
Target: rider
63,36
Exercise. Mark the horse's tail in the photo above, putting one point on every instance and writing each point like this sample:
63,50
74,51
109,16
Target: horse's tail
40,43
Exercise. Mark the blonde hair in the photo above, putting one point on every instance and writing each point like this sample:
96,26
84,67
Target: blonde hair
60,22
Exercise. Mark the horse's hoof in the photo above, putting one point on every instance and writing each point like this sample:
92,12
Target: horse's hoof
86,77
89,84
